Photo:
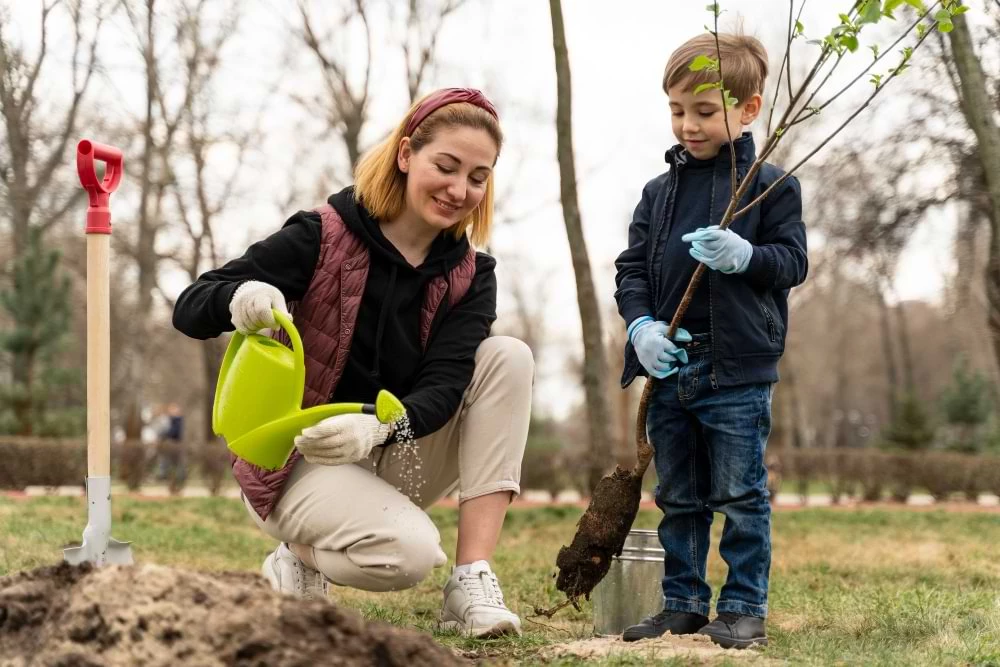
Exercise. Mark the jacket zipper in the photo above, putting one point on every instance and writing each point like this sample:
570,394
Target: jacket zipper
771,329
711,302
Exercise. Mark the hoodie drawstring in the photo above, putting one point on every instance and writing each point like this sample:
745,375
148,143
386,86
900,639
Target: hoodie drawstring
383,313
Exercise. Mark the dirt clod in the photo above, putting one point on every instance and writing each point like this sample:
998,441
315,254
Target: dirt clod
155,615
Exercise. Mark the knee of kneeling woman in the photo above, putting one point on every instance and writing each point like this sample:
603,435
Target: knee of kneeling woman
512,354
417,556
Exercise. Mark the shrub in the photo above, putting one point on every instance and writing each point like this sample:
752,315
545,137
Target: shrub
213,460
912,429
41,462
874,471
545,465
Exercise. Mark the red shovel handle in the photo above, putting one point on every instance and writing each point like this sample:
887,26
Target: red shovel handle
99,213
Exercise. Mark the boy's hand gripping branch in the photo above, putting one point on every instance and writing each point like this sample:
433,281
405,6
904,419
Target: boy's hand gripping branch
657,353
720,249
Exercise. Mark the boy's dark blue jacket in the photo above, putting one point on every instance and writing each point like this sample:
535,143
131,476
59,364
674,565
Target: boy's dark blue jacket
748,311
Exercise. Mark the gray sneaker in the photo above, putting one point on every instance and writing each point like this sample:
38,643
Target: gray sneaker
288,575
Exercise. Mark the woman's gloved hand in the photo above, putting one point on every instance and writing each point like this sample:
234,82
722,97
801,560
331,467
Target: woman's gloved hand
658,354
720,249
251,306
342,439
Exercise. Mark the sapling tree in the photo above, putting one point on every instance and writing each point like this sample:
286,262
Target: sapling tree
603,528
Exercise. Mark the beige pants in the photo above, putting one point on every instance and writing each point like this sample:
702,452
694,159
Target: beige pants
365,522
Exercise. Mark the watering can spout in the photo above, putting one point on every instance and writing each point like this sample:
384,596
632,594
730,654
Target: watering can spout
388,408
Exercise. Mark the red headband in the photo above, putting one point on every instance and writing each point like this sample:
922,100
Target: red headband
446,96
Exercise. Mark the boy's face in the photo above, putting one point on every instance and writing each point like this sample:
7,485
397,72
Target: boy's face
699,121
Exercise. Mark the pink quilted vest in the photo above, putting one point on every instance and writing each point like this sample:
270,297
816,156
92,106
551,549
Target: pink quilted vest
325,319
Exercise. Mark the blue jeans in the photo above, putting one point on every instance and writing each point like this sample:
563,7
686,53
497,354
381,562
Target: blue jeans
709,457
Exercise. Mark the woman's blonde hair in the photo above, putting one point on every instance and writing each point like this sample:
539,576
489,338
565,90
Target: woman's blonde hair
381,186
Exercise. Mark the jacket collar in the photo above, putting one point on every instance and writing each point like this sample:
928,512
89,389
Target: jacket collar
746,153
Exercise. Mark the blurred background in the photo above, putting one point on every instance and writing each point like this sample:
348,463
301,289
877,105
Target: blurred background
233,115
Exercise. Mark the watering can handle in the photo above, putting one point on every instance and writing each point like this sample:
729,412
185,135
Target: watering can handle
285,322
387,407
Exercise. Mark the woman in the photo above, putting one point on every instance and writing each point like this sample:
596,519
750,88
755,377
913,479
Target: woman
388,293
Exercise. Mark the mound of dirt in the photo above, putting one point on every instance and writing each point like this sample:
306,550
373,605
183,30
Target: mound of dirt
153,615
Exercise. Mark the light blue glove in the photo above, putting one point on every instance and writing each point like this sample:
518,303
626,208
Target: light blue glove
720,249
657,353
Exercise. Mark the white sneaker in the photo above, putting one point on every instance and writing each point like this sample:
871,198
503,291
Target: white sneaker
473,604
288,575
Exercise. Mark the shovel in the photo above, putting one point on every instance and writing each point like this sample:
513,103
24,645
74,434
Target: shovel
98,546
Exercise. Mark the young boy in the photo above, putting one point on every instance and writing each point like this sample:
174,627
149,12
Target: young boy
710,412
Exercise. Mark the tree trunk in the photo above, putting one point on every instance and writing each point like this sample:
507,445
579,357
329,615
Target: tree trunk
594,366
144,248
979,108
892,373
23,403
904,347
212,351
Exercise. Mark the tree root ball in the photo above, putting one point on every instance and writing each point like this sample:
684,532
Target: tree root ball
600,533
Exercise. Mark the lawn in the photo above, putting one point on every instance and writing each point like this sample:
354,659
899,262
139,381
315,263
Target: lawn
873,587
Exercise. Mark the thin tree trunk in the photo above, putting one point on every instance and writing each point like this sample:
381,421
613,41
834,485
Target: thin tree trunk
211,354
594,366
23,404
888,353
979,108
790,380
136,358
904,347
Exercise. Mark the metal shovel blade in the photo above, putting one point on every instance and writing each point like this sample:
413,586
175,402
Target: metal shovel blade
98,546
112,552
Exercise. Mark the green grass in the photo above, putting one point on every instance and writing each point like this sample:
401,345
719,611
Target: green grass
872,587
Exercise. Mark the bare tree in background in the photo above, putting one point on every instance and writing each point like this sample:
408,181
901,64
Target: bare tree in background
345,94
530,304
343,100
169,101
35,191
424,21
36,142
869,208
594,364
200,197
979,106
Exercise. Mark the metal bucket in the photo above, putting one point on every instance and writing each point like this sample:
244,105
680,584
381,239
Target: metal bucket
632,589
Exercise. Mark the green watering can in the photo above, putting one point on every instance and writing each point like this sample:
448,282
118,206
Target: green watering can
258,398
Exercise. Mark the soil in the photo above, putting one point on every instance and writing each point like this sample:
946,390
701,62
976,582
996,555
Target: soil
153,615
695,649
600,533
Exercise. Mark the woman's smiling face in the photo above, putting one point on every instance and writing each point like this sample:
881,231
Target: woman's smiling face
446,178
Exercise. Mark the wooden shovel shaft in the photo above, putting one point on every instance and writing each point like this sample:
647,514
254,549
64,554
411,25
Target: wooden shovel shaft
98,357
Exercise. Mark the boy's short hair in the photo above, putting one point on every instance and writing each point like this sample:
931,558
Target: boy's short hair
744,64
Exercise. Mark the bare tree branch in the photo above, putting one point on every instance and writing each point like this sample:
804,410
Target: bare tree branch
347,106
424,41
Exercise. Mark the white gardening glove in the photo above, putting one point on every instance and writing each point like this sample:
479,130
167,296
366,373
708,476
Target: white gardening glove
342,439
251,306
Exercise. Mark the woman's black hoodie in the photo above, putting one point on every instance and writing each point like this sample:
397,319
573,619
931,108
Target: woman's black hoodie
385,350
